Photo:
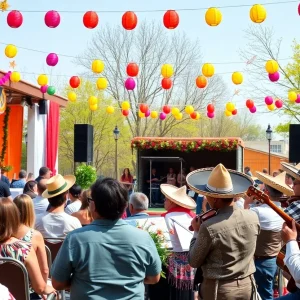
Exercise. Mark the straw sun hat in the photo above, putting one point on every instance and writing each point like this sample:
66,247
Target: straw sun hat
292,170
219,182
178,195
58,184
277,182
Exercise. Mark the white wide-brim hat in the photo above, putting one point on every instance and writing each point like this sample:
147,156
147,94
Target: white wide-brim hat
292,170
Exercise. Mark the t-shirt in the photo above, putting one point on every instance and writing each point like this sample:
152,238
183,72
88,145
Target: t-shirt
18,184
107,260
56,225
73,207
4,190
40,205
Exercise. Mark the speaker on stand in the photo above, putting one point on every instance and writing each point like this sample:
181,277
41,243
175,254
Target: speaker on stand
294,143
83,143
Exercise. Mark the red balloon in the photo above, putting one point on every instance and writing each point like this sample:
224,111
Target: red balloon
250,103
125,112
234,112
166,83
210,108
144,108
129,20
132,69
299,9
74,82
166,109
193,115
14,19
171,19
278,103
52,19
90,19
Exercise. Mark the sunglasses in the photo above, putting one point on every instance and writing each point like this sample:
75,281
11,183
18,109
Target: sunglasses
89,200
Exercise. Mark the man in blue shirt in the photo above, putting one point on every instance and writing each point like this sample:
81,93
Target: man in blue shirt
108,259
138,206
20,183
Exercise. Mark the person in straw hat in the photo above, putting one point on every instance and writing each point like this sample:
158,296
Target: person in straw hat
223,246
55,223
269,240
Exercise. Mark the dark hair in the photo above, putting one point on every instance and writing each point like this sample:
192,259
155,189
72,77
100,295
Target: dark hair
29,186
75,190
123,175
22,174
43,171
227,200
58,200
110,198
273,193
247,169
42,186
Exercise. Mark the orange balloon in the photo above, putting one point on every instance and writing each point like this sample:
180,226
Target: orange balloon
201,82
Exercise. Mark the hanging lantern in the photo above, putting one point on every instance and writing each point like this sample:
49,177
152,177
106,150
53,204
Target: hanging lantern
213,16
171,19
90,19
52,19
97,66
11,51
298,99
237,78
51,90
125,105
132,70
166,109
193,115
250,103
125,112
129,84
154,114
272,66
42,79
72,96
210,108
162,116
271,107
299,9
230,107
102,83
258,13
129,21
228,113
189,109
52,59
175,111
144,108
74,82
15,76
147,113
110,109
44,89
278,103
274,77
166,83
268,100
210,115
14,19
201,82
253,109
178,116
167,71
208,70
141,115
234,112
94,107
292,96
93,100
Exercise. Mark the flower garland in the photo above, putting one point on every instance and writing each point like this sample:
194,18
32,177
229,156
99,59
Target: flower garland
4,139
222,145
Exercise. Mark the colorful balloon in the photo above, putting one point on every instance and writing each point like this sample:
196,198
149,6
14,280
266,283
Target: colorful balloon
189,109
258,13
14,19
154,114
166,83
11,51
44,89
178,116
72,96
228,113
162,116
167,71
15,76
125,105
102,83
272,66
132,70
210,115
274,77
213,16
278,103
271,106
269,100
210,108
252,109
193,115
90,19
110,109
51,90
125,112
230,106
201,82
175,111
208,70
147,113
129,21
97,66
42,79
141,115
93,107
52,59
292,96
237,78
93,100
298,99
250,103
144,108
171,19
166,109
129,84
234,112
52,19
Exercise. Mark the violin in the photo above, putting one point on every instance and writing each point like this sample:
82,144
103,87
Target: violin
205,216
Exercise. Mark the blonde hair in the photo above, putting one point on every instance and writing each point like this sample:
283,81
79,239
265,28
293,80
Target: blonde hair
26,209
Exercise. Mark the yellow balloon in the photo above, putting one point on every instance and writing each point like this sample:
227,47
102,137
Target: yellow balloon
230,106
258,13
93,100
237,78
167,71
292,96
141,115
208,70
97,66
154,114
189,109
42,79
198,116
72,96
15,76
272,66
228,113
175,111
213,17
102,83
178,116
125,105
110,109
94,107
11,51
271,106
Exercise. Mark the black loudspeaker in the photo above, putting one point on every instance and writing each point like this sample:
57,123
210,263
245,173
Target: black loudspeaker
294,143
42,107
83,143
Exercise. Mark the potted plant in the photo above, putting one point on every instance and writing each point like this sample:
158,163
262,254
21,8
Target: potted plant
85,175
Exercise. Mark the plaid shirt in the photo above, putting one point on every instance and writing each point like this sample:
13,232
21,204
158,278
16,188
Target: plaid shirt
293,210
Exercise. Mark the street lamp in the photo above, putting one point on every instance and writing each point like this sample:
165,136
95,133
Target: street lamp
116,133
269,138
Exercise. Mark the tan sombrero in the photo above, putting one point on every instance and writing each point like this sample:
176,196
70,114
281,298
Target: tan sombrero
219,182
58,184
277,182
292,170
178,195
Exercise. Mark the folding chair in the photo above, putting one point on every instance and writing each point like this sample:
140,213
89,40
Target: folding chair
49,256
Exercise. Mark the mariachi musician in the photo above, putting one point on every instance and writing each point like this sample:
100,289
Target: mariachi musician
223,246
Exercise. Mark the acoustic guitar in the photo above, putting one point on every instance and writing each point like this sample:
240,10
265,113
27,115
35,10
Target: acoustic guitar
264,198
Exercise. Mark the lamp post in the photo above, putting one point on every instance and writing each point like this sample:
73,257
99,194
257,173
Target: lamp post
116,133
269,138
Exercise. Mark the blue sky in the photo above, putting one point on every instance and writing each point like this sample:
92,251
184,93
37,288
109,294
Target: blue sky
219,44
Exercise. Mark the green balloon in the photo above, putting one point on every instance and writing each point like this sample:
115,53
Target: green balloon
51,90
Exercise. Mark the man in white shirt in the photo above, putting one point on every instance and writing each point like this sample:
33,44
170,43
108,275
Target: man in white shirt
74,195
292,258
55,223
40,203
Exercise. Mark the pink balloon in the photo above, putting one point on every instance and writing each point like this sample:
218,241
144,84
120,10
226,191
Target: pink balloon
298,99
162,115
52,59
274,77
211,115
278,103
269,100
129,84
147,113
52,19
44,89
253,109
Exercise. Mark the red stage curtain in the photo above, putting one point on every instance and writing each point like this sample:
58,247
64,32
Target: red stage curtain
52,136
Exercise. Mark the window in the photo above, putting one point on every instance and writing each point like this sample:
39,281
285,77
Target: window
276,148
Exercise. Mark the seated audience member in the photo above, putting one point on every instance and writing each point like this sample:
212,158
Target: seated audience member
20,183
28,234
4,178
55,223
265,171
44,173
4,190
30,189
107,259
247,171
30,177
181,178
40,203
84,214
138,205
17,249
74,195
